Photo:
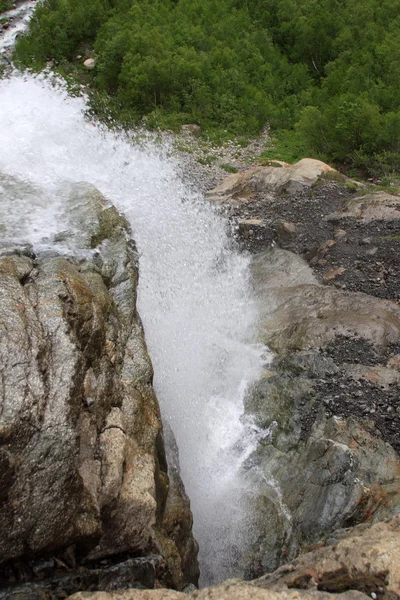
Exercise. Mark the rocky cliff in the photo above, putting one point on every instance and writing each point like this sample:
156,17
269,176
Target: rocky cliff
86,501
324,273
364,563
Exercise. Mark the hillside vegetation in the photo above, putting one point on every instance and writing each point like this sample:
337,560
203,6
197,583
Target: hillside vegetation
5,5
325,74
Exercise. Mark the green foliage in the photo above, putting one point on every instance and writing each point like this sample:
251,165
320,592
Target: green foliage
5,5
287,146
209,159
352,187
201,61
324,74
229,168
57,27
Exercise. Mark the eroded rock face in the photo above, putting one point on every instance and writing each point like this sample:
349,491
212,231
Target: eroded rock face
359,564
321,472
330,397
231,590
298,313
83,467
364,558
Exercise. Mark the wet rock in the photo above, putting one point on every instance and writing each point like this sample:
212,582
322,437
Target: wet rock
320,471
178,519
298,313
366,559
327,394
83,471
362,563
231,590
54,579
132,594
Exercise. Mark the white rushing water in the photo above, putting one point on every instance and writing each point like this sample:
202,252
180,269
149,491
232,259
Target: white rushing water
18,20
194,293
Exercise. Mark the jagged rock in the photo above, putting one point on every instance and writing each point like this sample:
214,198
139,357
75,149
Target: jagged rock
319,472
362,563
52,579
83,468
178,519
330,406
364,558
231,590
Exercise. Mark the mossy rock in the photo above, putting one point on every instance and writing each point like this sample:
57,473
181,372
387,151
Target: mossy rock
110,221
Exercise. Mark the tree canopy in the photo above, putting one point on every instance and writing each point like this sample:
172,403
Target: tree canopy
326,70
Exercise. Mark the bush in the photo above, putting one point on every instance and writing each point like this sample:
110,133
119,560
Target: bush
324,74
5,5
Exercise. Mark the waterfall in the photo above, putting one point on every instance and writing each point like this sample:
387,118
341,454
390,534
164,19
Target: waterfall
194,294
